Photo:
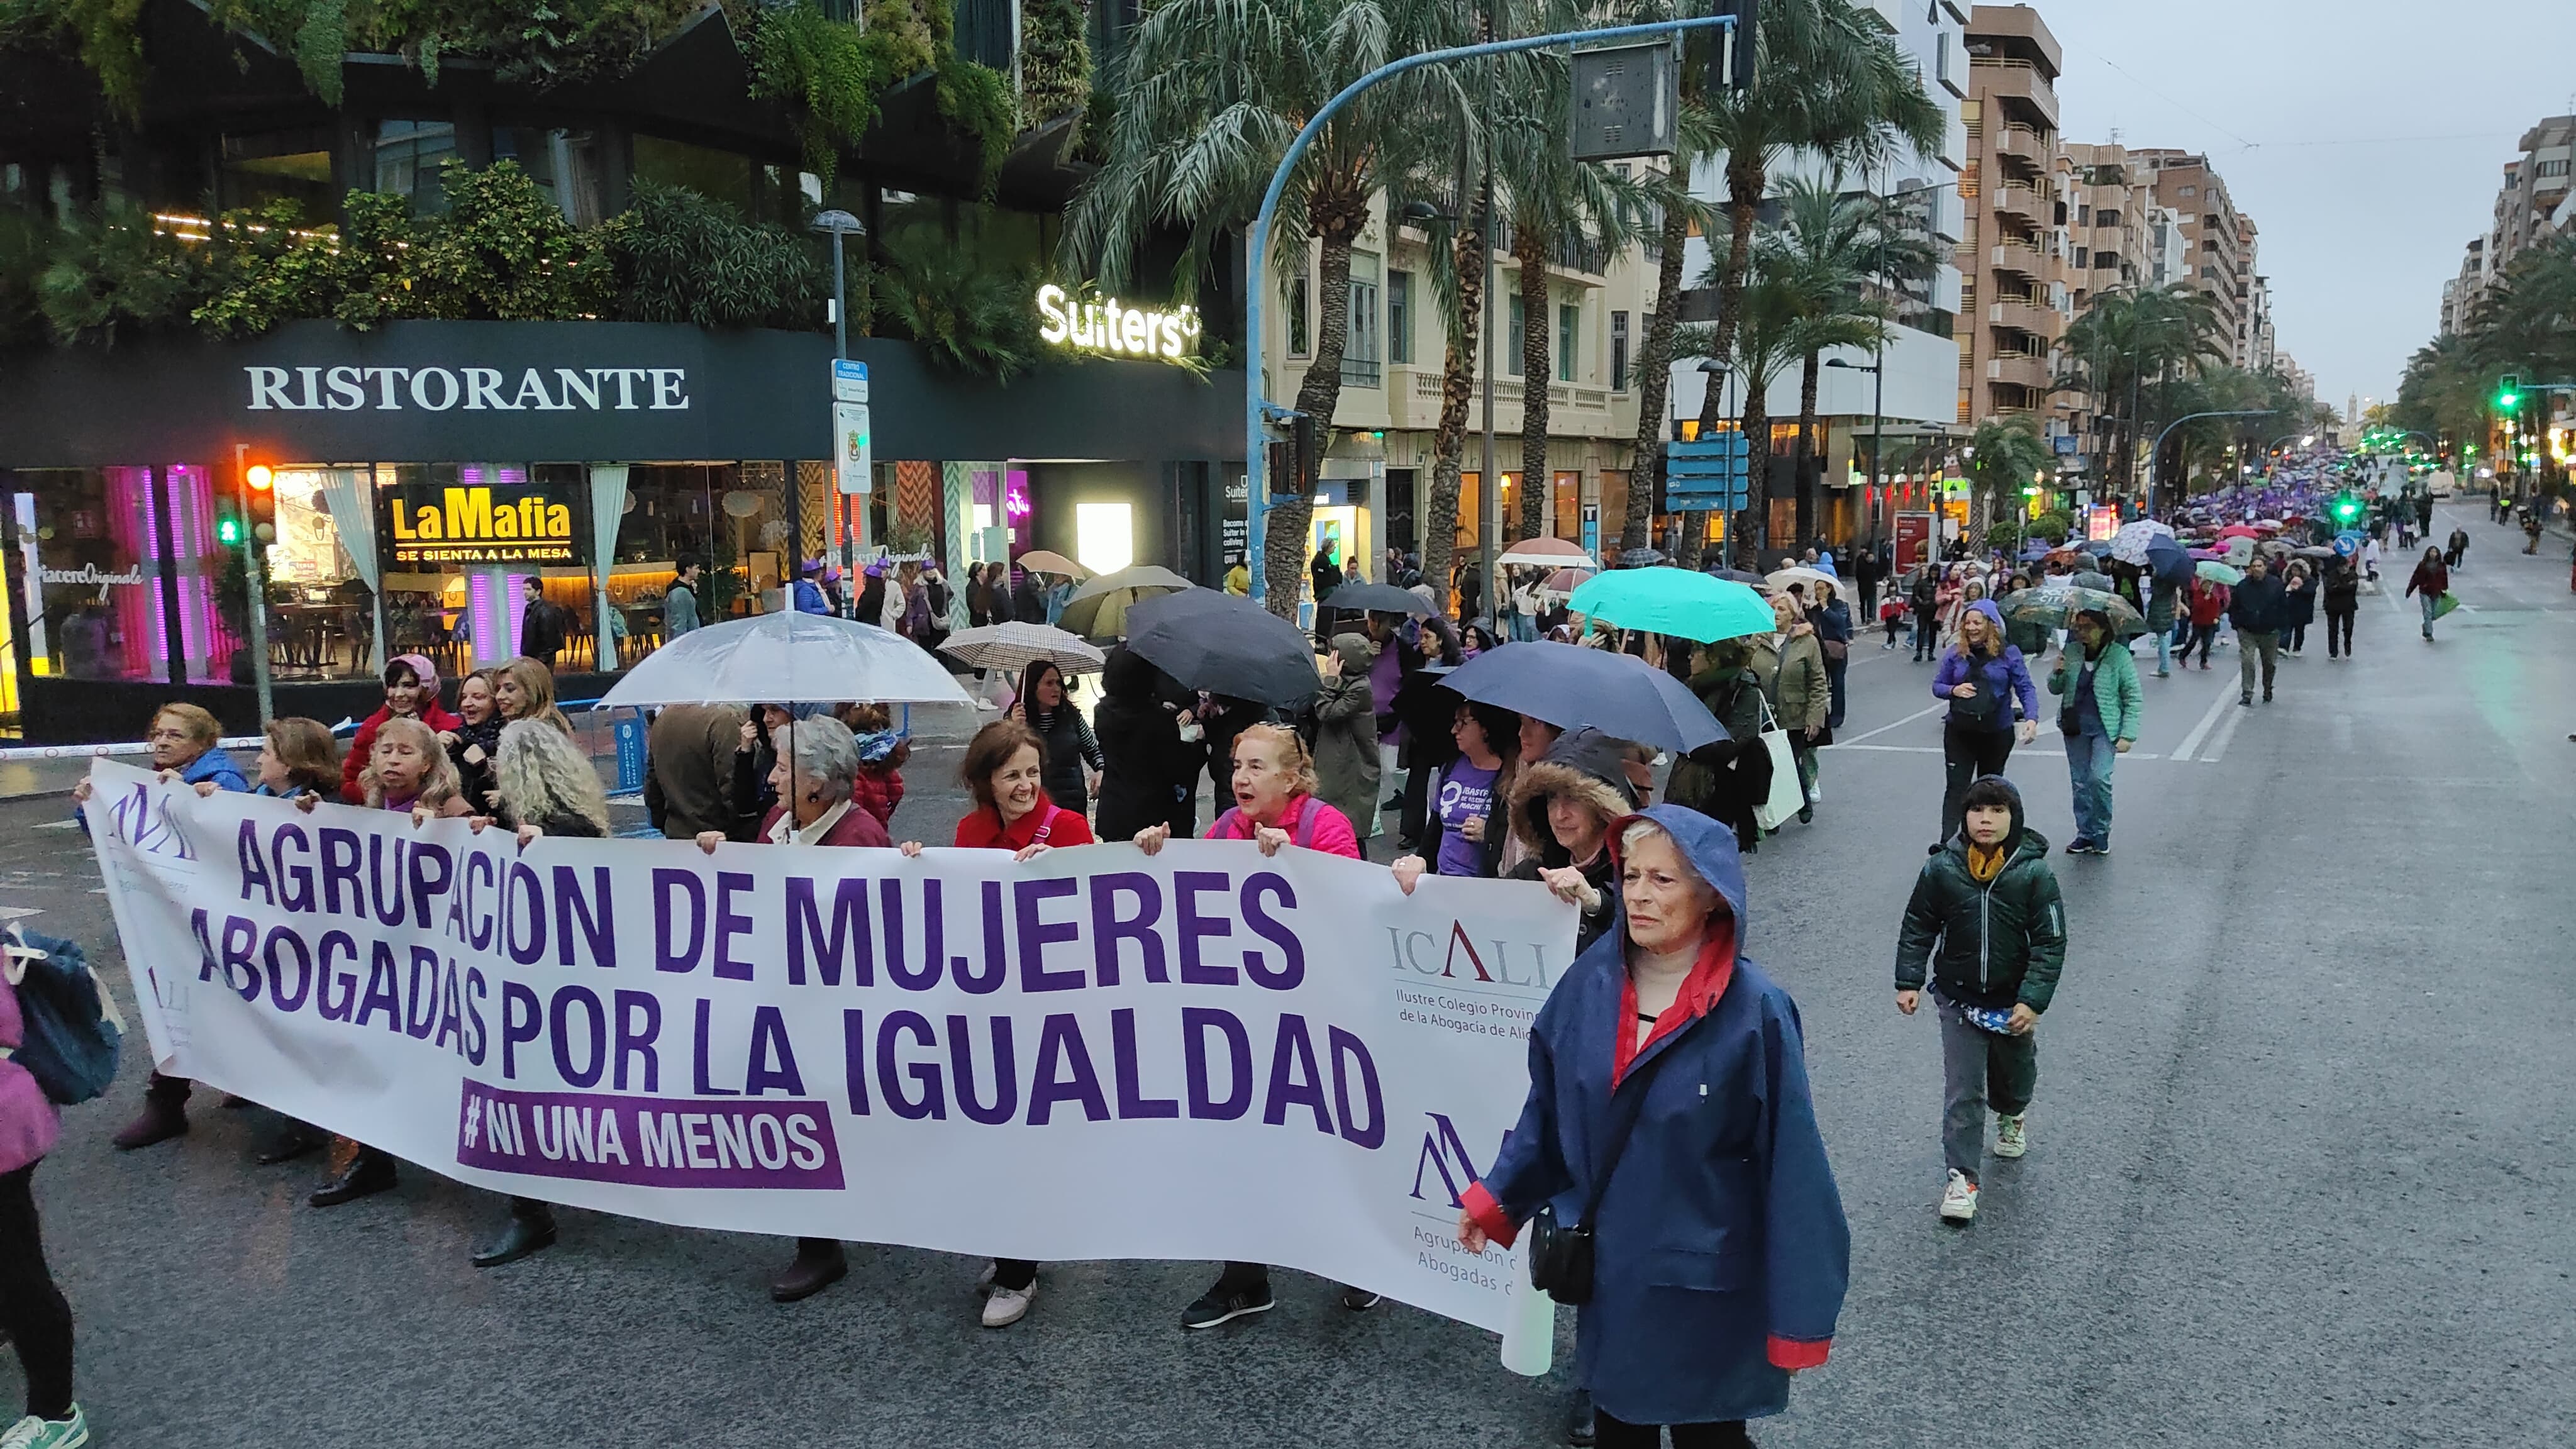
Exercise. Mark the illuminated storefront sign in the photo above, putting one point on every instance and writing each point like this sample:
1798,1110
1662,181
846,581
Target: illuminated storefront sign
1106,326
479,523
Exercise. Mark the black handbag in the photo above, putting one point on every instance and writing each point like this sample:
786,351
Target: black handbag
1560,1254
1983,709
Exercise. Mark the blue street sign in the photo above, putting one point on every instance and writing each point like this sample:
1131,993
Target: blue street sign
628,731
1710,475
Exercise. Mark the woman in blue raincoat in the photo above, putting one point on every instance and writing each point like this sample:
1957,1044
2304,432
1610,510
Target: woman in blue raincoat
1720,1248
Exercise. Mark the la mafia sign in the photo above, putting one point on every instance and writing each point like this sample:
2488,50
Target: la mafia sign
473,389
479,523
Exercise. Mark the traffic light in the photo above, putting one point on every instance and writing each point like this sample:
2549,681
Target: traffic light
228,525
2346,508
1731,56
259,496
2508,397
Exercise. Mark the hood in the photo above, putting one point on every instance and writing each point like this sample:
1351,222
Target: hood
1708,845
2018,841
1585,764
1127,675
1353,651
1994,616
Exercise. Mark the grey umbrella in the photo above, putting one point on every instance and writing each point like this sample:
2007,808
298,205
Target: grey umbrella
1377,599
1214,641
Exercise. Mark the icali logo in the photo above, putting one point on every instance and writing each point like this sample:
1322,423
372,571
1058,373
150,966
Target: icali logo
1102,324
1445,1152
1463,961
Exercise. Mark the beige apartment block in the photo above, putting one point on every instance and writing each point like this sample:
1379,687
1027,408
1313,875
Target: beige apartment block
2218,241
2014,248
2533,203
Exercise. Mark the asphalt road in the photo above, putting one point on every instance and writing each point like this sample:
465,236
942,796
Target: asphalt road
2299,1175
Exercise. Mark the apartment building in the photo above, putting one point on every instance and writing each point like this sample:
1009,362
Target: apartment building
2217,241
2014,248
1376,472
2533,203
2113,233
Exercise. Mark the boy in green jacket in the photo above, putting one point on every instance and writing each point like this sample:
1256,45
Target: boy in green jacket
2099,721
1988,903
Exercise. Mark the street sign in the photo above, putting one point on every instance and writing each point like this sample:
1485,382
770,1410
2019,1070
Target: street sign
1627,101
849,381
1707,476
1592,529
851,453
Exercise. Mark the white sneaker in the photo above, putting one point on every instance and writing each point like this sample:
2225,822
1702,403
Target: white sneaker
1007,1306
2010,1139
1959,1199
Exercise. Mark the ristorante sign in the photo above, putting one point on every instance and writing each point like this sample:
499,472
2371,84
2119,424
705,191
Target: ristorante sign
478,523
474,389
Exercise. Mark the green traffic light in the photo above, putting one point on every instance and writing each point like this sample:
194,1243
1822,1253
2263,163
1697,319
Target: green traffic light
228,531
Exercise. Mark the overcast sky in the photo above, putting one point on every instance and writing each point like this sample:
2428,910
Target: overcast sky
2378,132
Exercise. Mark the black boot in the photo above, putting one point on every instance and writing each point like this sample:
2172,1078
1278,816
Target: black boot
531,1230
368,1173
164,1115
1579,1426
819,1264
293,1139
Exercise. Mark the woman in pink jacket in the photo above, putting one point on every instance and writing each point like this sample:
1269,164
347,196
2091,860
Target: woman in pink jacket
32,1309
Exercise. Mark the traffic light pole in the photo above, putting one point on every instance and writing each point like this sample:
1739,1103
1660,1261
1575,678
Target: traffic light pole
257,588
1258,411
2156,456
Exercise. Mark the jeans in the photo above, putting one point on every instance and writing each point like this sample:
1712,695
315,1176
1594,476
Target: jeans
2298,639
1835,670
32,1309
2164,651
2428,601
2192,635
1927,633
2089,757
1969,754
1980,1069
2338,628
2253,645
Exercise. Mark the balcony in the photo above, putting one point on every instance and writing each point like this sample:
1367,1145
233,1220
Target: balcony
2016,370
2022,143
2030,317
2018,259
2014,83
2025,203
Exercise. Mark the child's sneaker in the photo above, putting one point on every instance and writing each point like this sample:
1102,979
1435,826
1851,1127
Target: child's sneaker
2010,1139
34,1433
1959,1199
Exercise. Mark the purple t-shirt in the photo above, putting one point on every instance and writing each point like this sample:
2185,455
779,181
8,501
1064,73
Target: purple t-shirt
1465,794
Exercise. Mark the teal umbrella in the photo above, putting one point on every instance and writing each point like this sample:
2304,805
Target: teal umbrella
1679,602
2218,573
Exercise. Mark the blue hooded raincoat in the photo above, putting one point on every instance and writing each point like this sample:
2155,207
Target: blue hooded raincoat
1721,1250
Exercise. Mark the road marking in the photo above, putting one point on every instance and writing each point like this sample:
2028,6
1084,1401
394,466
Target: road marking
1882,729
2200,731
74,824
19,913
2018,754
2218,747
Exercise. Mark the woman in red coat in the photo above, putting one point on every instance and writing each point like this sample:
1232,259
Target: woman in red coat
411,692
1005,769
2208,601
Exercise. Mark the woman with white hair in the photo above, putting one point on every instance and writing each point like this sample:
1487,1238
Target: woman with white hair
542,785
1668,1098
818,767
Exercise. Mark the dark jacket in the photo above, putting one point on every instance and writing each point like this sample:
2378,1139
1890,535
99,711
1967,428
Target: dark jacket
1586,766
2299,605
1726,780
2343,589
1721,1253
1345,742
2258,606
689,772
541,630
1926,593
1999,943
855,827
1069,746
1143,756
473,754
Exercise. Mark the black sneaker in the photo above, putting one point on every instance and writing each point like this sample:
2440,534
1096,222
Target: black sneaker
1223,1305
1361,1300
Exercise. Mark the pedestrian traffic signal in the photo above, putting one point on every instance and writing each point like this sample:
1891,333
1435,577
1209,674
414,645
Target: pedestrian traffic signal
2346,508
2508,396
259,499
228,526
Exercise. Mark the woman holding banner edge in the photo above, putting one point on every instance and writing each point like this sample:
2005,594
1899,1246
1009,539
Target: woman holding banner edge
1716,1266
1006,770
1274,807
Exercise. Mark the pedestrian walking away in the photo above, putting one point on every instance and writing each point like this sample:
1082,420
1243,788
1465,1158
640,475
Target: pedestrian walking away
2298,606
2256,607
1801,695
2100,718
1833,620
1985,930
2342,600
2457,556
2429,583
1983,679
1925,597
1669,1105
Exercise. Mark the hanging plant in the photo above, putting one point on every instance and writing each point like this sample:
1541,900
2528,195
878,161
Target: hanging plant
977,100
1055,59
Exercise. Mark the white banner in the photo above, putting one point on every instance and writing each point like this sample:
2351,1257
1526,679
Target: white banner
1205,1054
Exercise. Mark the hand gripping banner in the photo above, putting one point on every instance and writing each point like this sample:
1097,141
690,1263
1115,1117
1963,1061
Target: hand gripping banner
1206,1054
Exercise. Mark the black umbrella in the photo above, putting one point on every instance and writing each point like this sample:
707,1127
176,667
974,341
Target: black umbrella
1740,576
1571,687
1377,599
1639,558
1216,642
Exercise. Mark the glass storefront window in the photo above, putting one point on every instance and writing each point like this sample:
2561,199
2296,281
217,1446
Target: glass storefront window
259,167
321,613
100,593
408,155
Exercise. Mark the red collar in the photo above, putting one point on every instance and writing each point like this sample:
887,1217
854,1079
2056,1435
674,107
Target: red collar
1021,833
1700,991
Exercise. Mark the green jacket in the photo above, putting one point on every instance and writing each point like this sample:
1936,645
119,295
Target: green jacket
1998,943
1801,693
2115,688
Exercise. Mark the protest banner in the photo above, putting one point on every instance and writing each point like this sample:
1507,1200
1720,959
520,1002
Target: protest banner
1203,1054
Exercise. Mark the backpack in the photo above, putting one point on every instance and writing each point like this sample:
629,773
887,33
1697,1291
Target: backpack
72,1026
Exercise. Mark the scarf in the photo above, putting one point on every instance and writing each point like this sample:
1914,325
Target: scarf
1984,862
487,734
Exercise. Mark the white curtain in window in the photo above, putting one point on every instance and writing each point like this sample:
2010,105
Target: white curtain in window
607,507
350,495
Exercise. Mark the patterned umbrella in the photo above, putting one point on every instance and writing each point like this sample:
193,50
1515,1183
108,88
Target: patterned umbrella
1013,646
2050,606
2129,545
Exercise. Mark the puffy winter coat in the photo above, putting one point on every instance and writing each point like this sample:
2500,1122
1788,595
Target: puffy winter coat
1997,943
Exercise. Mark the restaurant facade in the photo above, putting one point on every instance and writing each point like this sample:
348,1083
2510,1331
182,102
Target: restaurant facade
425,473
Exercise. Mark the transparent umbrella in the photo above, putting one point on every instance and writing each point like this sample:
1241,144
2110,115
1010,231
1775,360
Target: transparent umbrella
788,658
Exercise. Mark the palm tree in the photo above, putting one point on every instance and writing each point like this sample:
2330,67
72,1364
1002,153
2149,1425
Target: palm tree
1772,333
1831,246
2004,457
1829,81
2133,339
1671,195
1210,94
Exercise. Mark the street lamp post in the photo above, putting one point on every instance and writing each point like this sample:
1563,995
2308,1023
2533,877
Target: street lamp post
1258,412
2156,458
836,224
